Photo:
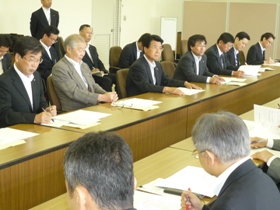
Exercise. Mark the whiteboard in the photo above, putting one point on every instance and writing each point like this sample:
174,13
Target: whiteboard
168,31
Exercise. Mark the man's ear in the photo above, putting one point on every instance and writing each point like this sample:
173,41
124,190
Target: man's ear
17,57
210,157
81,195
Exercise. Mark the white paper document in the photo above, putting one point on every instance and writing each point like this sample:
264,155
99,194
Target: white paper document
195,178
137,103
250,70
267,117
11,137
189,92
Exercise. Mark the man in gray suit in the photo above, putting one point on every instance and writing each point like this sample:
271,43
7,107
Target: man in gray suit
192,65
72,78
271,160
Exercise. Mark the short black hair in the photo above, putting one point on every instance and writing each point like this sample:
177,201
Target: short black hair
5,41
143,37
225,38
146,42
26,44
84,26
195,38
242,35
51,30
102,163
267,35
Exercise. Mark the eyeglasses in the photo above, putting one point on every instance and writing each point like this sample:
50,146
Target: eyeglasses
33,61
195,153
157,48
121,105
53,40
270,42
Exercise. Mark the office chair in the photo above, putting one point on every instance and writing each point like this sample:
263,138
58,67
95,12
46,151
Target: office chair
121,82
60,47
184,46
168,68
52,94
167,53
242,59
114,55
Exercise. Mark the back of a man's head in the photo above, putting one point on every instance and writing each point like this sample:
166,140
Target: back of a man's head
101,163
224,134
5,41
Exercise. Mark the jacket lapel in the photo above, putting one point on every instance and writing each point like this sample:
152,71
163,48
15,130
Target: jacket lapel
43,17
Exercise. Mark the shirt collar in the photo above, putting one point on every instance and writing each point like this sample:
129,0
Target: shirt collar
235,51
22,76
220,52
151,64
138,50
196,58
220,181
261,47
43,44
1,57
75,63
46,10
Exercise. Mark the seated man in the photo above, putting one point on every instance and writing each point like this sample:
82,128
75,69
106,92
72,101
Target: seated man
21,91
98,169
146,74
223,146
240,41
256,53
72,78
131,52
217,62
5,56
50,55
192,65
271,160
91,58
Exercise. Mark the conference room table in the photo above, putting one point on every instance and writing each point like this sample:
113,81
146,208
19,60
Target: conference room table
146,132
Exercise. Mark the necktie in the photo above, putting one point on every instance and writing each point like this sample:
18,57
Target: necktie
222,60
237,59
264,55
155,75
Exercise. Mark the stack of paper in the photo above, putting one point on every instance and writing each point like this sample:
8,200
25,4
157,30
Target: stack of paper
137,103
234,81
189,92
250,70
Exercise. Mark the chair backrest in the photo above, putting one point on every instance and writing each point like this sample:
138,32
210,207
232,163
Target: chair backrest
121,82
60,45
114,56
184,46
52,94
168,68
242,59
167,53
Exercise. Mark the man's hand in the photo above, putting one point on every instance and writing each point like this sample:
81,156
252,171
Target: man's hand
191,86
257,142
108,97
263,155
43,117
238,73
52,110
216,80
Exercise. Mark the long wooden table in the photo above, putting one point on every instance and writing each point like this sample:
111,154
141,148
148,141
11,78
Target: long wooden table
145,132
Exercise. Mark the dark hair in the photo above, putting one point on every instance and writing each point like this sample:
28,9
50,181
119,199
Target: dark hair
27,43
83,26
143,37
267,35
242,35
5,41
102,163
225,38
195,38
51,30
146,42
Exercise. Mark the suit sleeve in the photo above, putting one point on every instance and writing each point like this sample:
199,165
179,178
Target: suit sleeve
252,56
274,170
33,25
124,60
214,66
100,64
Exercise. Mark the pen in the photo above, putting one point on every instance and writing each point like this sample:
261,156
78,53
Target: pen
258,141
188,201
46,111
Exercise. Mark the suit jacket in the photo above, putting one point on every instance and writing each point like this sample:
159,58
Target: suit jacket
231,59
139,79
70,88
45,68
255,55
6,62
274,168
15,106
95,62
128,56
213,62
247,187
39,22
186,69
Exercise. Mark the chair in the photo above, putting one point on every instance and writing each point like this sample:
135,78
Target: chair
52,94
60,47
167,53
184,46
168,68
121,82
114,55
242,59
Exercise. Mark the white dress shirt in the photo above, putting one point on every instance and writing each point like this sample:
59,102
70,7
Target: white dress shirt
152,68
47,14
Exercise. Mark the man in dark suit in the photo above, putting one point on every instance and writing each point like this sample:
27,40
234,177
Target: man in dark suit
146,73
256,53
192,65
223,147
91,58
43,17
217,62
131,52
21,91
240,41
49,55
5,56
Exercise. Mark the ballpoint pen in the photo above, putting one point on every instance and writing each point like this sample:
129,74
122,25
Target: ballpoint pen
46,111
258,141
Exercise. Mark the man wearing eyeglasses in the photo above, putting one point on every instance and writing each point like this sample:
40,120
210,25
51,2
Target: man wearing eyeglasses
256,53
5,56
217,62
21,91
146,73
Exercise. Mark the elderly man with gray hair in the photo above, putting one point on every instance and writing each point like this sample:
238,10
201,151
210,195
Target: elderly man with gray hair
72,78
223,146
